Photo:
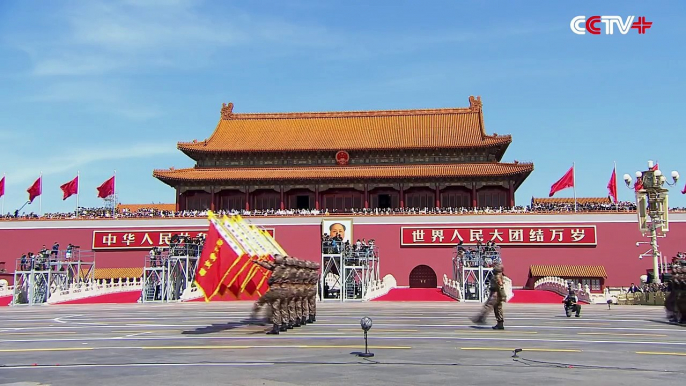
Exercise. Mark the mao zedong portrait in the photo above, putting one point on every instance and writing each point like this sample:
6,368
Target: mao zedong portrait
337,229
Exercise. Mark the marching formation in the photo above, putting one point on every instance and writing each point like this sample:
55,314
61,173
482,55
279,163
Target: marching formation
292,294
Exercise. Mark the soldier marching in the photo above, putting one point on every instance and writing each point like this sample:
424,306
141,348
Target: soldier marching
292,293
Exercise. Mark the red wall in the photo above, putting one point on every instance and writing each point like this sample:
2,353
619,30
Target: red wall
616,249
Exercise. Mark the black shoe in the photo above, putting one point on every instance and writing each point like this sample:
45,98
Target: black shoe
303,321
274,331
577,315
290,326
283,328
499,326
313,318
296,323
310,319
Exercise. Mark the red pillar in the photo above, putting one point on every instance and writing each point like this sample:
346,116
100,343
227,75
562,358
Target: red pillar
212,198
474,198
511,197
178,199
438,197
366,196
247,198
402,196
316,197
283,206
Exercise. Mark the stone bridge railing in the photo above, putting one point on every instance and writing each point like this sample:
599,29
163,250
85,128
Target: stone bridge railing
95,288
380,287
558,285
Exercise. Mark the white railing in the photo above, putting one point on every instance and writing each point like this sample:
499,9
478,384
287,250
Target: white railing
559,286
95,288
380,287
451,288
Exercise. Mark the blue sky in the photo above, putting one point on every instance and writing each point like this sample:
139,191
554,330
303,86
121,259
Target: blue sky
94,86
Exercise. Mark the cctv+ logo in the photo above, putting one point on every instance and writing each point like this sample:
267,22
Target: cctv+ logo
581,24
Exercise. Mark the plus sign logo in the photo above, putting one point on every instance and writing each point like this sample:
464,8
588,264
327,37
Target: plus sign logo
581,24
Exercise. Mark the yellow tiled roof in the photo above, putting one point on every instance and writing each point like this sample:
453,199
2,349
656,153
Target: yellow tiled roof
117,273
346,172
568,271
350,130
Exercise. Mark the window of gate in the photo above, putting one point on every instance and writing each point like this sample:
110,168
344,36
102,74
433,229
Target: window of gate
423,276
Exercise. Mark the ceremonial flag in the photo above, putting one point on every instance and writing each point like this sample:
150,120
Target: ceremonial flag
2,187
684,190
242,281
70,188
219,259
567,181
36,189
655,167
233,281
612,185
638,185
106,189
257,276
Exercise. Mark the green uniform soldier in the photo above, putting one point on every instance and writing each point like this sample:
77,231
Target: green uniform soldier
312,293
265,299
288,300
274,296
495,299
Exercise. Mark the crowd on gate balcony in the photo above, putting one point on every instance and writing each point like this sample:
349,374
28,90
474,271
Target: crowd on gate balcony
46,259
103,213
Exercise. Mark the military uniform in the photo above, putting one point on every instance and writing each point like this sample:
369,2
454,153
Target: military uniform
265,298
275,294
495,300
311,294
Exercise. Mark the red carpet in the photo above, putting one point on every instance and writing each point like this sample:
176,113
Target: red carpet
414,295
535,296
119,297
5,300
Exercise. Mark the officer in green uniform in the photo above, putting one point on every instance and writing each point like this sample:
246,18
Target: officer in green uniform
495,299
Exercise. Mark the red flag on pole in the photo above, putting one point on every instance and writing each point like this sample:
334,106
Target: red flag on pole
70,188
567,181
2,187
612,185
682,192
106,189
35,190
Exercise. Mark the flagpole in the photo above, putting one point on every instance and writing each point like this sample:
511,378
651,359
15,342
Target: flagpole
574,186
114,198
78,189
40,198
2,211
616,190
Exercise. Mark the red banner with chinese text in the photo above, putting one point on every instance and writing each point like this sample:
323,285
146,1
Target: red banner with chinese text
218,260
510,235
143,239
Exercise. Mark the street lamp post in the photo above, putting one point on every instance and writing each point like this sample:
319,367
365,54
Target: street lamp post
651,202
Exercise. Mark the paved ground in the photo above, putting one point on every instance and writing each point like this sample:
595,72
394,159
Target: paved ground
414,343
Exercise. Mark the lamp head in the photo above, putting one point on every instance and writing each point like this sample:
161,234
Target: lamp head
675,175
366,323
627,179
650,164
658,172
639,174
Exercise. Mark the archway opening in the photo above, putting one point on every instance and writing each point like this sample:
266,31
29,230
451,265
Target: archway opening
423,276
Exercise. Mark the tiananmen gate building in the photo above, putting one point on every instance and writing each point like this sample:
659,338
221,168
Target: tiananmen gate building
348,160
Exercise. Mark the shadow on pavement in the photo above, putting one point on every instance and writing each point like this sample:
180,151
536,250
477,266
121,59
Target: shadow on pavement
215,328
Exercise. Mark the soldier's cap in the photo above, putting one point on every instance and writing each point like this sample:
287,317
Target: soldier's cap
278,259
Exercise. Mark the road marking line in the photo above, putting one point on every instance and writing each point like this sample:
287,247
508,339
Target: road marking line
661,353
524,349
376,330
281,346
47,349
496,331
38,333
609,333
